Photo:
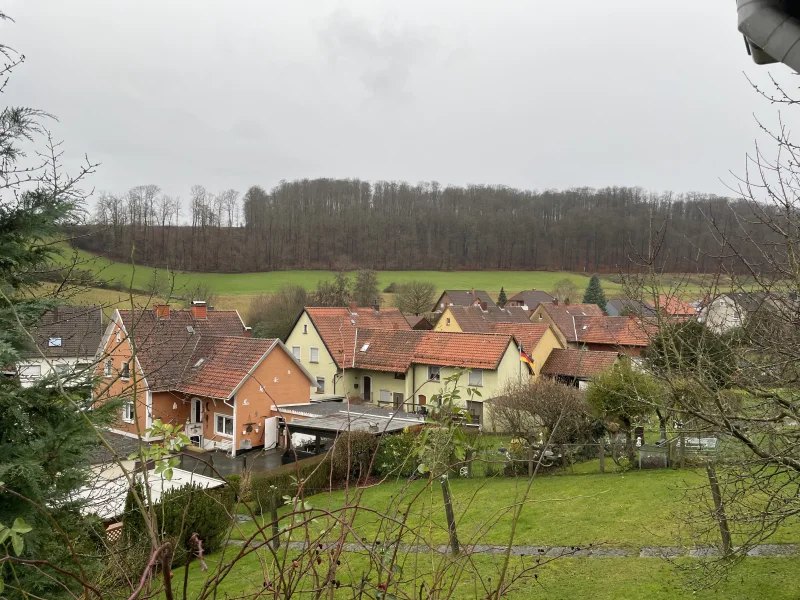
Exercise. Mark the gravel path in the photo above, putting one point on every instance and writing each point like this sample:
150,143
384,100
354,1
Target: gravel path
763,550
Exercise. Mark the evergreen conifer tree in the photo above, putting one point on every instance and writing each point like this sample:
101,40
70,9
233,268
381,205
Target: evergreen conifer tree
502,299
594,293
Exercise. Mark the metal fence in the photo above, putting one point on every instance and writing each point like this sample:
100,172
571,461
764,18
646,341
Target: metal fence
683,450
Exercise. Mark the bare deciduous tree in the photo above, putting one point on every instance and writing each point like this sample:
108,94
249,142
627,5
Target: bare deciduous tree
415,297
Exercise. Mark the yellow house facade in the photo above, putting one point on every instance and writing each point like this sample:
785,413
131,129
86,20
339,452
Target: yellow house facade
322,340
537,339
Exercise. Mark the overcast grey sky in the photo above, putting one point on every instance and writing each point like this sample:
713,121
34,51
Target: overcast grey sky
525,93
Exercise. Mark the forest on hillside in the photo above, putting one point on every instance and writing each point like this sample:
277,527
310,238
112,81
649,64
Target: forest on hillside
350,223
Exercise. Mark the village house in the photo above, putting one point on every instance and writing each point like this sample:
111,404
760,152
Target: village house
560,316
322,339
477,317
669,305
200,368
529,299
625,335
728,311
463,298
537,339
406,370
577,367
68,337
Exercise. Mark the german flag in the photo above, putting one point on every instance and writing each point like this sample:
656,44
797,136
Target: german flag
525,358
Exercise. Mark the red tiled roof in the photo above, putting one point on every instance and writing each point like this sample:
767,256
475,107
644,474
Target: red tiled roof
165,346
614,331
672,305
395,350
218,364
468,350
562,314
338,333
528,334
578,363
473,319
386,349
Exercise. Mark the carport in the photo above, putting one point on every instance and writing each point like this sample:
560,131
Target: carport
373,420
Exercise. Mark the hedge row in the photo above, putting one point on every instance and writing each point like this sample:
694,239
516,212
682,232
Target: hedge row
267,489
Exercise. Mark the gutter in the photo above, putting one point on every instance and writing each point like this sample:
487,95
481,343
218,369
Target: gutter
771,31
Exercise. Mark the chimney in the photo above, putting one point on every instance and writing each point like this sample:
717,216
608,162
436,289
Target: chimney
605,313
376,307
473,292
199,309
483,306
555,301
353,308
248,332
161,311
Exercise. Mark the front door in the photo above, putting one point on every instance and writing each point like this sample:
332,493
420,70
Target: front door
398,401
197,410
195,428
367,390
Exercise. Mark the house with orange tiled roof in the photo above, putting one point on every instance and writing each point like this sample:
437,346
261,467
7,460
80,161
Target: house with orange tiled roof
577,367
198,368
626,335
323,338
405,370
538,339
671,305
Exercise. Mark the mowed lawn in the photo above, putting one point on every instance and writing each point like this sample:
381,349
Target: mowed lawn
630,510
563,579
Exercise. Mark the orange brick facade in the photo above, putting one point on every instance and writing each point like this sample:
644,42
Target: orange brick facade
277,379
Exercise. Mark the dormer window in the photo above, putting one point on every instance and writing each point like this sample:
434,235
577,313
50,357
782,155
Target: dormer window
54,342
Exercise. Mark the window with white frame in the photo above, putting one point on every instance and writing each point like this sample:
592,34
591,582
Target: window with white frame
127,412
386,397
433,373
448,321
313,355
119,335
125,371
108,369
476,377
54,342
62,369
320,384
30,371
223,425
296,352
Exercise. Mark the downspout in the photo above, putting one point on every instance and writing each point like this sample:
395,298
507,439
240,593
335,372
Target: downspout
413,382
771,32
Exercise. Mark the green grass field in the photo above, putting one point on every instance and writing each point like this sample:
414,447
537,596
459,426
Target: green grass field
255,283
628,510
249,284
